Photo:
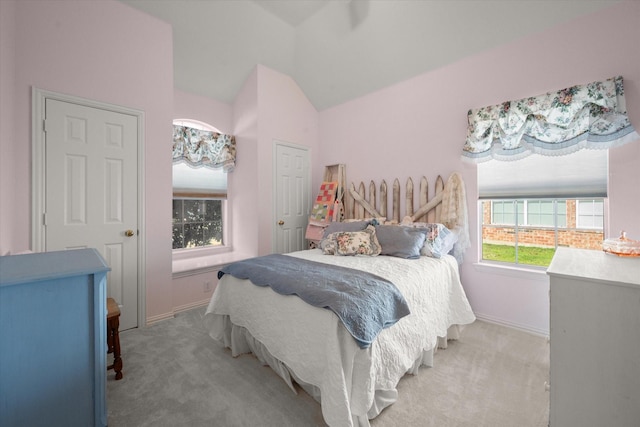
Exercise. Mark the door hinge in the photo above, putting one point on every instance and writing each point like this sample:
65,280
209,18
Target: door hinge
44,219
44,125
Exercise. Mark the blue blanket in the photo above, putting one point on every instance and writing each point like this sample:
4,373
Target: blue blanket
365,303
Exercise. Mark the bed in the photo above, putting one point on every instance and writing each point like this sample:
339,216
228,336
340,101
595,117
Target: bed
354,380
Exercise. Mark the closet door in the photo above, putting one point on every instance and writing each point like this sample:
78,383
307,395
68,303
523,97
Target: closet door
291,193
92,192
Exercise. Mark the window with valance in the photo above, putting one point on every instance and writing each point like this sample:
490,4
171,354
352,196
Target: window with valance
543,169
202,157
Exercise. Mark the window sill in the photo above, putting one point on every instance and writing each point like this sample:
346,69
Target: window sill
512,271
200,263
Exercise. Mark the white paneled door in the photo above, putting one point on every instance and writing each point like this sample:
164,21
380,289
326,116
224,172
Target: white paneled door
92,192
291,197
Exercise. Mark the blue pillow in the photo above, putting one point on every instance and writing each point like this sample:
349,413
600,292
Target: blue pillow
401,242
347,227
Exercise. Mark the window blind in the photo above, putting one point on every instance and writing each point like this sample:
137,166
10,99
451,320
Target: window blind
580,174
199,182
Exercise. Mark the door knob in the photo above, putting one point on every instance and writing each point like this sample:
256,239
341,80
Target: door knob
129,233
281,222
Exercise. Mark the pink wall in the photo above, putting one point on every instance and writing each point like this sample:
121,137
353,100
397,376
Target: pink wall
270,106
418,127
104,51
191,106
284,114
7,76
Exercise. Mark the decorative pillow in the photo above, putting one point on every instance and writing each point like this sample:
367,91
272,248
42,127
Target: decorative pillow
439,241
328,245
335,227
352,243
400,241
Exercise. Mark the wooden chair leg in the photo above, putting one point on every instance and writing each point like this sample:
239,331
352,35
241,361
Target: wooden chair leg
113,343
109,338
117,360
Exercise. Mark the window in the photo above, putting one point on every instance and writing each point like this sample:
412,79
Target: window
529,207
543,213
529,212
197,223
542,225
504,212
590,214
199,196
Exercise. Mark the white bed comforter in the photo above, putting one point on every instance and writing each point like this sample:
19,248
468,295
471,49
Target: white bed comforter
318,350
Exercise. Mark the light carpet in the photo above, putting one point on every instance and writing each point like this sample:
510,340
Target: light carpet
176,375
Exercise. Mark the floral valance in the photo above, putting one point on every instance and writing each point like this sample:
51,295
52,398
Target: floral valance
586,116
203,148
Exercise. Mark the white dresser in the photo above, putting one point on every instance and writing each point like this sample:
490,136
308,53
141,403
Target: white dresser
594,339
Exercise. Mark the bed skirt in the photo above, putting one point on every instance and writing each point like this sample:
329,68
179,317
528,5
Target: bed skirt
240,341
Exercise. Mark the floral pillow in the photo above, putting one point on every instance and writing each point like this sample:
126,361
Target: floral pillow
352,243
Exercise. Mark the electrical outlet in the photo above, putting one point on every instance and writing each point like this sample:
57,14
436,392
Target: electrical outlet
206,286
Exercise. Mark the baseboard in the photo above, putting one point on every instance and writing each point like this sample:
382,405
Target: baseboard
159,318
166,316
512,325
191,305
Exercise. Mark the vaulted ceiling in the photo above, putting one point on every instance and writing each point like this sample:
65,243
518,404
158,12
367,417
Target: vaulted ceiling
337,50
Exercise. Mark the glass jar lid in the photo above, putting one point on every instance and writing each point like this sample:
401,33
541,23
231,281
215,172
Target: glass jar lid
622,246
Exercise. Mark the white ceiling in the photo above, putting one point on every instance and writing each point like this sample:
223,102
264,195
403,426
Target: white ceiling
337,50
292,12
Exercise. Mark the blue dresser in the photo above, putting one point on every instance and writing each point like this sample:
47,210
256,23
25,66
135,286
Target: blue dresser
53,339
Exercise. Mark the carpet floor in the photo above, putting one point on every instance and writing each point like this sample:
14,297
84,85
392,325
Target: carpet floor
176,375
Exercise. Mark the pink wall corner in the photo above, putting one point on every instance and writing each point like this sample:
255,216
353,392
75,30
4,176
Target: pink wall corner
109,52
269,106
7,146
243,181
285,114
418,127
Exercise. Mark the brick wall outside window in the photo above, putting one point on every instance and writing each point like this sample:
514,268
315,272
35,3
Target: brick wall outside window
542,236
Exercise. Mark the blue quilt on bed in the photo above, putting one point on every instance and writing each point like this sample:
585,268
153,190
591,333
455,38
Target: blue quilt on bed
365,303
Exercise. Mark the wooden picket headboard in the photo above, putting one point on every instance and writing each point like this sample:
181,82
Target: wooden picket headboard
448,205
359,204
